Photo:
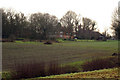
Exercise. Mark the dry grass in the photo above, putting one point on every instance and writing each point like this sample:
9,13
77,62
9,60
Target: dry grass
100,63
105,73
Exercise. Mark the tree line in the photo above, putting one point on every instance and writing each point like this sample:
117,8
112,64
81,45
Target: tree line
44,26
116,23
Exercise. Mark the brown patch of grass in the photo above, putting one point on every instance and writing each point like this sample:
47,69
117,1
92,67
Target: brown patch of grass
28,70
100,63
31,70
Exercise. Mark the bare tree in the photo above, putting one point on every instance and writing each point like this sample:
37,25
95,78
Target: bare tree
88,28
69,20
88,24
116,22
43,24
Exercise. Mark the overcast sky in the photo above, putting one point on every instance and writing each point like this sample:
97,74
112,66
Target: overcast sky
98,10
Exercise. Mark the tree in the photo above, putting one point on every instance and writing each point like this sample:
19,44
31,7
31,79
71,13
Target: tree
88,24
8,23
13,24
106,35
86,29
69,20
43,24
20,23
116,22
5,24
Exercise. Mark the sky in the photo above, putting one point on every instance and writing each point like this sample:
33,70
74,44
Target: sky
98,10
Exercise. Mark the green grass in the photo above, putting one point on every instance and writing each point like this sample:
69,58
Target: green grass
72,53
85,40
68,52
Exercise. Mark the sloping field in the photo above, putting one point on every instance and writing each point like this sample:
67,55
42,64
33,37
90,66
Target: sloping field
66,52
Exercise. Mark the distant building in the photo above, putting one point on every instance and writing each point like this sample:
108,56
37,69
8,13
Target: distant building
64,35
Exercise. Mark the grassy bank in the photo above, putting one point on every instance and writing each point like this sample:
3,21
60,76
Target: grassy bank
104,73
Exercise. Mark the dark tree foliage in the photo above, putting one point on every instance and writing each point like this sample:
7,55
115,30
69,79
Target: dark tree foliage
116,22
43,26
13,24
88,24
86,29
69,21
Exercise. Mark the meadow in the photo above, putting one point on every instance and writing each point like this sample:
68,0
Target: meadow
67,52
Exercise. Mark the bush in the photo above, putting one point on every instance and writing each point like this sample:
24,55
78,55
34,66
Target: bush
100,63
7,40
59,40
69,69
48,42
20,39
12,37
29,70
53,68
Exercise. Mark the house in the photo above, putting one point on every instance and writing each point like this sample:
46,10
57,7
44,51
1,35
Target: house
64,35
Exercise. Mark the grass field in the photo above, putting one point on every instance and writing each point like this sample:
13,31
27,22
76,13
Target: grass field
68,52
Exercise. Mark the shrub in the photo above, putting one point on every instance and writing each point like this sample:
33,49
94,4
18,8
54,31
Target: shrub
48,42
12,37
69,69
5,76
100,63
59,40
7,40
28,70
20,39
31,70
53,68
